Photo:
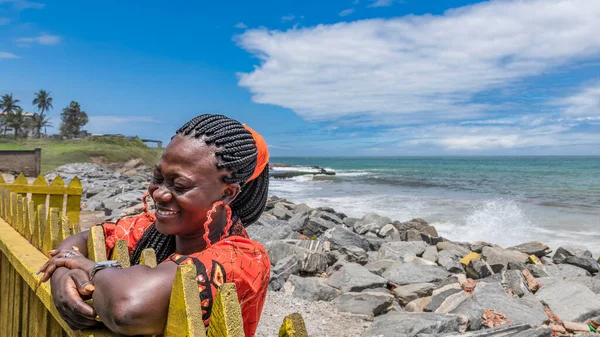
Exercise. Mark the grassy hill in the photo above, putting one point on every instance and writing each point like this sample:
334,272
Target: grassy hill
111,149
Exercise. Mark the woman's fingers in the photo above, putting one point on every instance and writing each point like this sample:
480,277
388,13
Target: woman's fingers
76,262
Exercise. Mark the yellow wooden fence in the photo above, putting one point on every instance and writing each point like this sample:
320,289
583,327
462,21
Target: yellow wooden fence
35,218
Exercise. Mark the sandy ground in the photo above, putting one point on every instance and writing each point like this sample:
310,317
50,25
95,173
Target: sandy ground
320,317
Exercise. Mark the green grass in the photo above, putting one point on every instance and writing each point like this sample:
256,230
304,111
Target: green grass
59,152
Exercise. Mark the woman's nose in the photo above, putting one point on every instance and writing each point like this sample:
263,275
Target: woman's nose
162,194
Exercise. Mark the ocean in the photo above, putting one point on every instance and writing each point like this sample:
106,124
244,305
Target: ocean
503,200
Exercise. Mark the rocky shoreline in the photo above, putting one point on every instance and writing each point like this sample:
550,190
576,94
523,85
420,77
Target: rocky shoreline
377,277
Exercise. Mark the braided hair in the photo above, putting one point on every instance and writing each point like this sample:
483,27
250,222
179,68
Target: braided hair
237,152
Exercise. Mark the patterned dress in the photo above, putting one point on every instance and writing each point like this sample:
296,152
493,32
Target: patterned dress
235,259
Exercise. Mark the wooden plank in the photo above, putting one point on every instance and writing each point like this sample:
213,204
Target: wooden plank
74,201
28,219
51,232
57,200
1,202
148,258
121,253
54,328
19,219
185,313
41,319
4,290
226,316
63,229
16,309
10,303
293,326
96,246
38,197
12,219
25,292
46,190
40,227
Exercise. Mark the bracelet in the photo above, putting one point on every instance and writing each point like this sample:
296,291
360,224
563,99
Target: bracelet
103,265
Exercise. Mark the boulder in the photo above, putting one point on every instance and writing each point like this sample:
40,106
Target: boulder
281,212
122,200
266,231
431,254
313,227
578,256
536,248
309,288
364,303
451,302
378,267
418,305
407,273
450,261
493,296
556,270
282,271
371,222
419,225
499,258
440,295
408,293
341,237
330,217
297,221
477,246
570,301
506,330
459,250
353,277
311,262
405,324
350,222
301,209
515,281
398,250
477,269
390,233
354,254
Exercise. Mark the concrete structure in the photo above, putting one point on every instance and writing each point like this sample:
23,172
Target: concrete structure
16,161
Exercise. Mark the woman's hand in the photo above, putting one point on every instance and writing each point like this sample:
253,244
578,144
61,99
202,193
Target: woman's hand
71,259
67,288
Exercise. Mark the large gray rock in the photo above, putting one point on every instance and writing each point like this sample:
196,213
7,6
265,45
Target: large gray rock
556,270
440,295
297,221
399,250
410,324
364,303
408,293
499,258
354,254
477,269
282,271
123,200
450,261
458,249
578,256
314,226
515,281
266,231
431,254
353,277
371,222
302,209
281,212
536,248
330,217
408,273
378,267
341,237
506,330
419,225
310,288
570,301
311,262
493,296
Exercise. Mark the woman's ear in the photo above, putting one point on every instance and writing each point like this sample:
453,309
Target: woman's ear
231,192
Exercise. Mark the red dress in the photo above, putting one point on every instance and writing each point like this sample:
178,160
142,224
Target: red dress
235,259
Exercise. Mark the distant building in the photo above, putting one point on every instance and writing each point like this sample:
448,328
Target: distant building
10,131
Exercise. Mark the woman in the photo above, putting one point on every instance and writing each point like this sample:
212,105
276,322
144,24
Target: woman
210,182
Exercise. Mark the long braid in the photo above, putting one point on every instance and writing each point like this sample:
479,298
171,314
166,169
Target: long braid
237,152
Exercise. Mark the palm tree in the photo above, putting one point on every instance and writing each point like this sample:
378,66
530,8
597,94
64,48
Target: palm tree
16,120
8,105
37,122
43,102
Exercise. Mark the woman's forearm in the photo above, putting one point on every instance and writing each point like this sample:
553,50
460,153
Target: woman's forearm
135,300
78,240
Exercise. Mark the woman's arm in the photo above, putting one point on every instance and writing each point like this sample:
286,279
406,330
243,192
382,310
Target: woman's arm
78,240
135,300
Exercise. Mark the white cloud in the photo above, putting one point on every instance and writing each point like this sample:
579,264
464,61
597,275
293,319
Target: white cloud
347,12
382,3
4,21
6,55
586,103
288,17
43,39
416,68
24,4
240,25
128,125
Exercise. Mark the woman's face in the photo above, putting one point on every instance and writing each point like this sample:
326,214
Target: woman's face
185,185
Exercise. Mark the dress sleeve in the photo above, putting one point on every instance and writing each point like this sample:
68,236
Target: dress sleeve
233,260
129,229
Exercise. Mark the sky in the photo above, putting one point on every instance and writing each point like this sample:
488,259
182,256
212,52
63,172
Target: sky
320,78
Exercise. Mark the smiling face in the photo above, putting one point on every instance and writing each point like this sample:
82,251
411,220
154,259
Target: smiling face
185,185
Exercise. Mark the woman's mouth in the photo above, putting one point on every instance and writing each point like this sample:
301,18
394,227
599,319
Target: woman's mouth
166,212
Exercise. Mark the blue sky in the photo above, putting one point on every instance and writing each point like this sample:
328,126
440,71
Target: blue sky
322,78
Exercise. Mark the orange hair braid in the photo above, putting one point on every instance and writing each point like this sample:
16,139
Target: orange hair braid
209,220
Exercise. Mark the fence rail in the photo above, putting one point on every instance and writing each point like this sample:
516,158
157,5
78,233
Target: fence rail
34,224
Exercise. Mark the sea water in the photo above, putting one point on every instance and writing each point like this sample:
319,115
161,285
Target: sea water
503,200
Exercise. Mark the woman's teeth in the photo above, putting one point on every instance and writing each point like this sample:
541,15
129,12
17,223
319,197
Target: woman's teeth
166,212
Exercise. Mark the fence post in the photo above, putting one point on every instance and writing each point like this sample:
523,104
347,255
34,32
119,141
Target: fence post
185,314
226,315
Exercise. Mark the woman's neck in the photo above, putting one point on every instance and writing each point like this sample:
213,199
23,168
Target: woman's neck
194,242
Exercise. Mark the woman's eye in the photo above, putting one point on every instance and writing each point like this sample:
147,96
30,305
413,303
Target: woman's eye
157,179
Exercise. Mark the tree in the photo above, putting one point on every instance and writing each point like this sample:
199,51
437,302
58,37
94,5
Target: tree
16,120
43,102
8,105
37,122
72,119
